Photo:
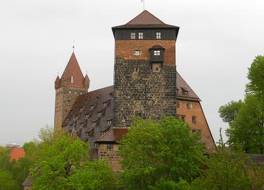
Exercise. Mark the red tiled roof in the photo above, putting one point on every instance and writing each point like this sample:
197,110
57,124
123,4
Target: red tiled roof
17,154
72,72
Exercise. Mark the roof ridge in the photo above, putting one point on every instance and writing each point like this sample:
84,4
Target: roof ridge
142,16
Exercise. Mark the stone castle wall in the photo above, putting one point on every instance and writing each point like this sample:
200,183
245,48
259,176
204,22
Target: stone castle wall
138,91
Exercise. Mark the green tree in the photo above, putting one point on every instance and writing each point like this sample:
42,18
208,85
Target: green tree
7,182
247,130
256,77
227,170
156,153
229,111
95,175
62,162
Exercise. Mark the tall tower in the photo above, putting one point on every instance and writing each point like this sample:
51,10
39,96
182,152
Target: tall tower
145,69
71,85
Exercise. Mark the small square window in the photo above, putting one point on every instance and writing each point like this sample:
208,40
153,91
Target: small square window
109,123
157,52
133,36
140,35
189,105
137,52
158,35
156,67
194,120
109,146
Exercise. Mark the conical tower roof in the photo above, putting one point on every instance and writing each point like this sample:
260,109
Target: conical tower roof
72,75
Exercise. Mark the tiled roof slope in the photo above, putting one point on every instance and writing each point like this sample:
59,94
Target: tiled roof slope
92,113
114,135
184,91
145,20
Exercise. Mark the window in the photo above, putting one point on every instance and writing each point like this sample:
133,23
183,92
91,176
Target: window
72,79
109,146
109,122
133,36
198,131
194,119
157,52
137,52
156,67
182,117
140,35
189,105
158,35
178,104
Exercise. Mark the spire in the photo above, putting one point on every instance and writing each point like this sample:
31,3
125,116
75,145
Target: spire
72,75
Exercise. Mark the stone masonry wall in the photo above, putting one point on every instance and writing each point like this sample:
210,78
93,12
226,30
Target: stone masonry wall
65,98
138,91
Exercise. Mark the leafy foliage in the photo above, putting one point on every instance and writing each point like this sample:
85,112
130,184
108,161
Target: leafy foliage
229,111
247,130
7,182
256,77
155,152
226,171
62,162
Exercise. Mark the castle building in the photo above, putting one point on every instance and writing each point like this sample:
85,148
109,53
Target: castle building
146,85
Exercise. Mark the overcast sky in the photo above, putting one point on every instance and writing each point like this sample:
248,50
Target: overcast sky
218,40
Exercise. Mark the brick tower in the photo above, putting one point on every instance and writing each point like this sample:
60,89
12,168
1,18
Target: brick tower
71,85
145,69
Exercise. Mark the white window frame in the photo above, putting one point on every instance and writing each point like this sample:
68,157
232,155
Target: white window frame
158,35
137,52
140,35
132,35
157,52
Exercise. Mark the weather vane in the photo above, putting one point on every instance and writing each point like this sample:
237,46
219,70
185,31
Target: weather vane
73,45
144,5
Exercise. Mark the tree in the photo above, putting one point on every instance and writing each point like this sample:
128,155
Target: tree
229,111
246,119
256,77
7,182
95,175
247,129
62,162
156,153
227,170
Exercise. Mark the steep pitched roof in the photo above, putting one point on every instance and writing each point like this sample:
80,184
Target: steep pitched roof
28,181
114,135
93,113
145,20
184,91
72,75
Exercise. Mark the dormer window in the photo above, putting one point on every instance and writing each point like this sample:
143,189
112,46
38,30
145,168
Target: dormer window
157,52
136,52
140,35
72,79
133,36
158,35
